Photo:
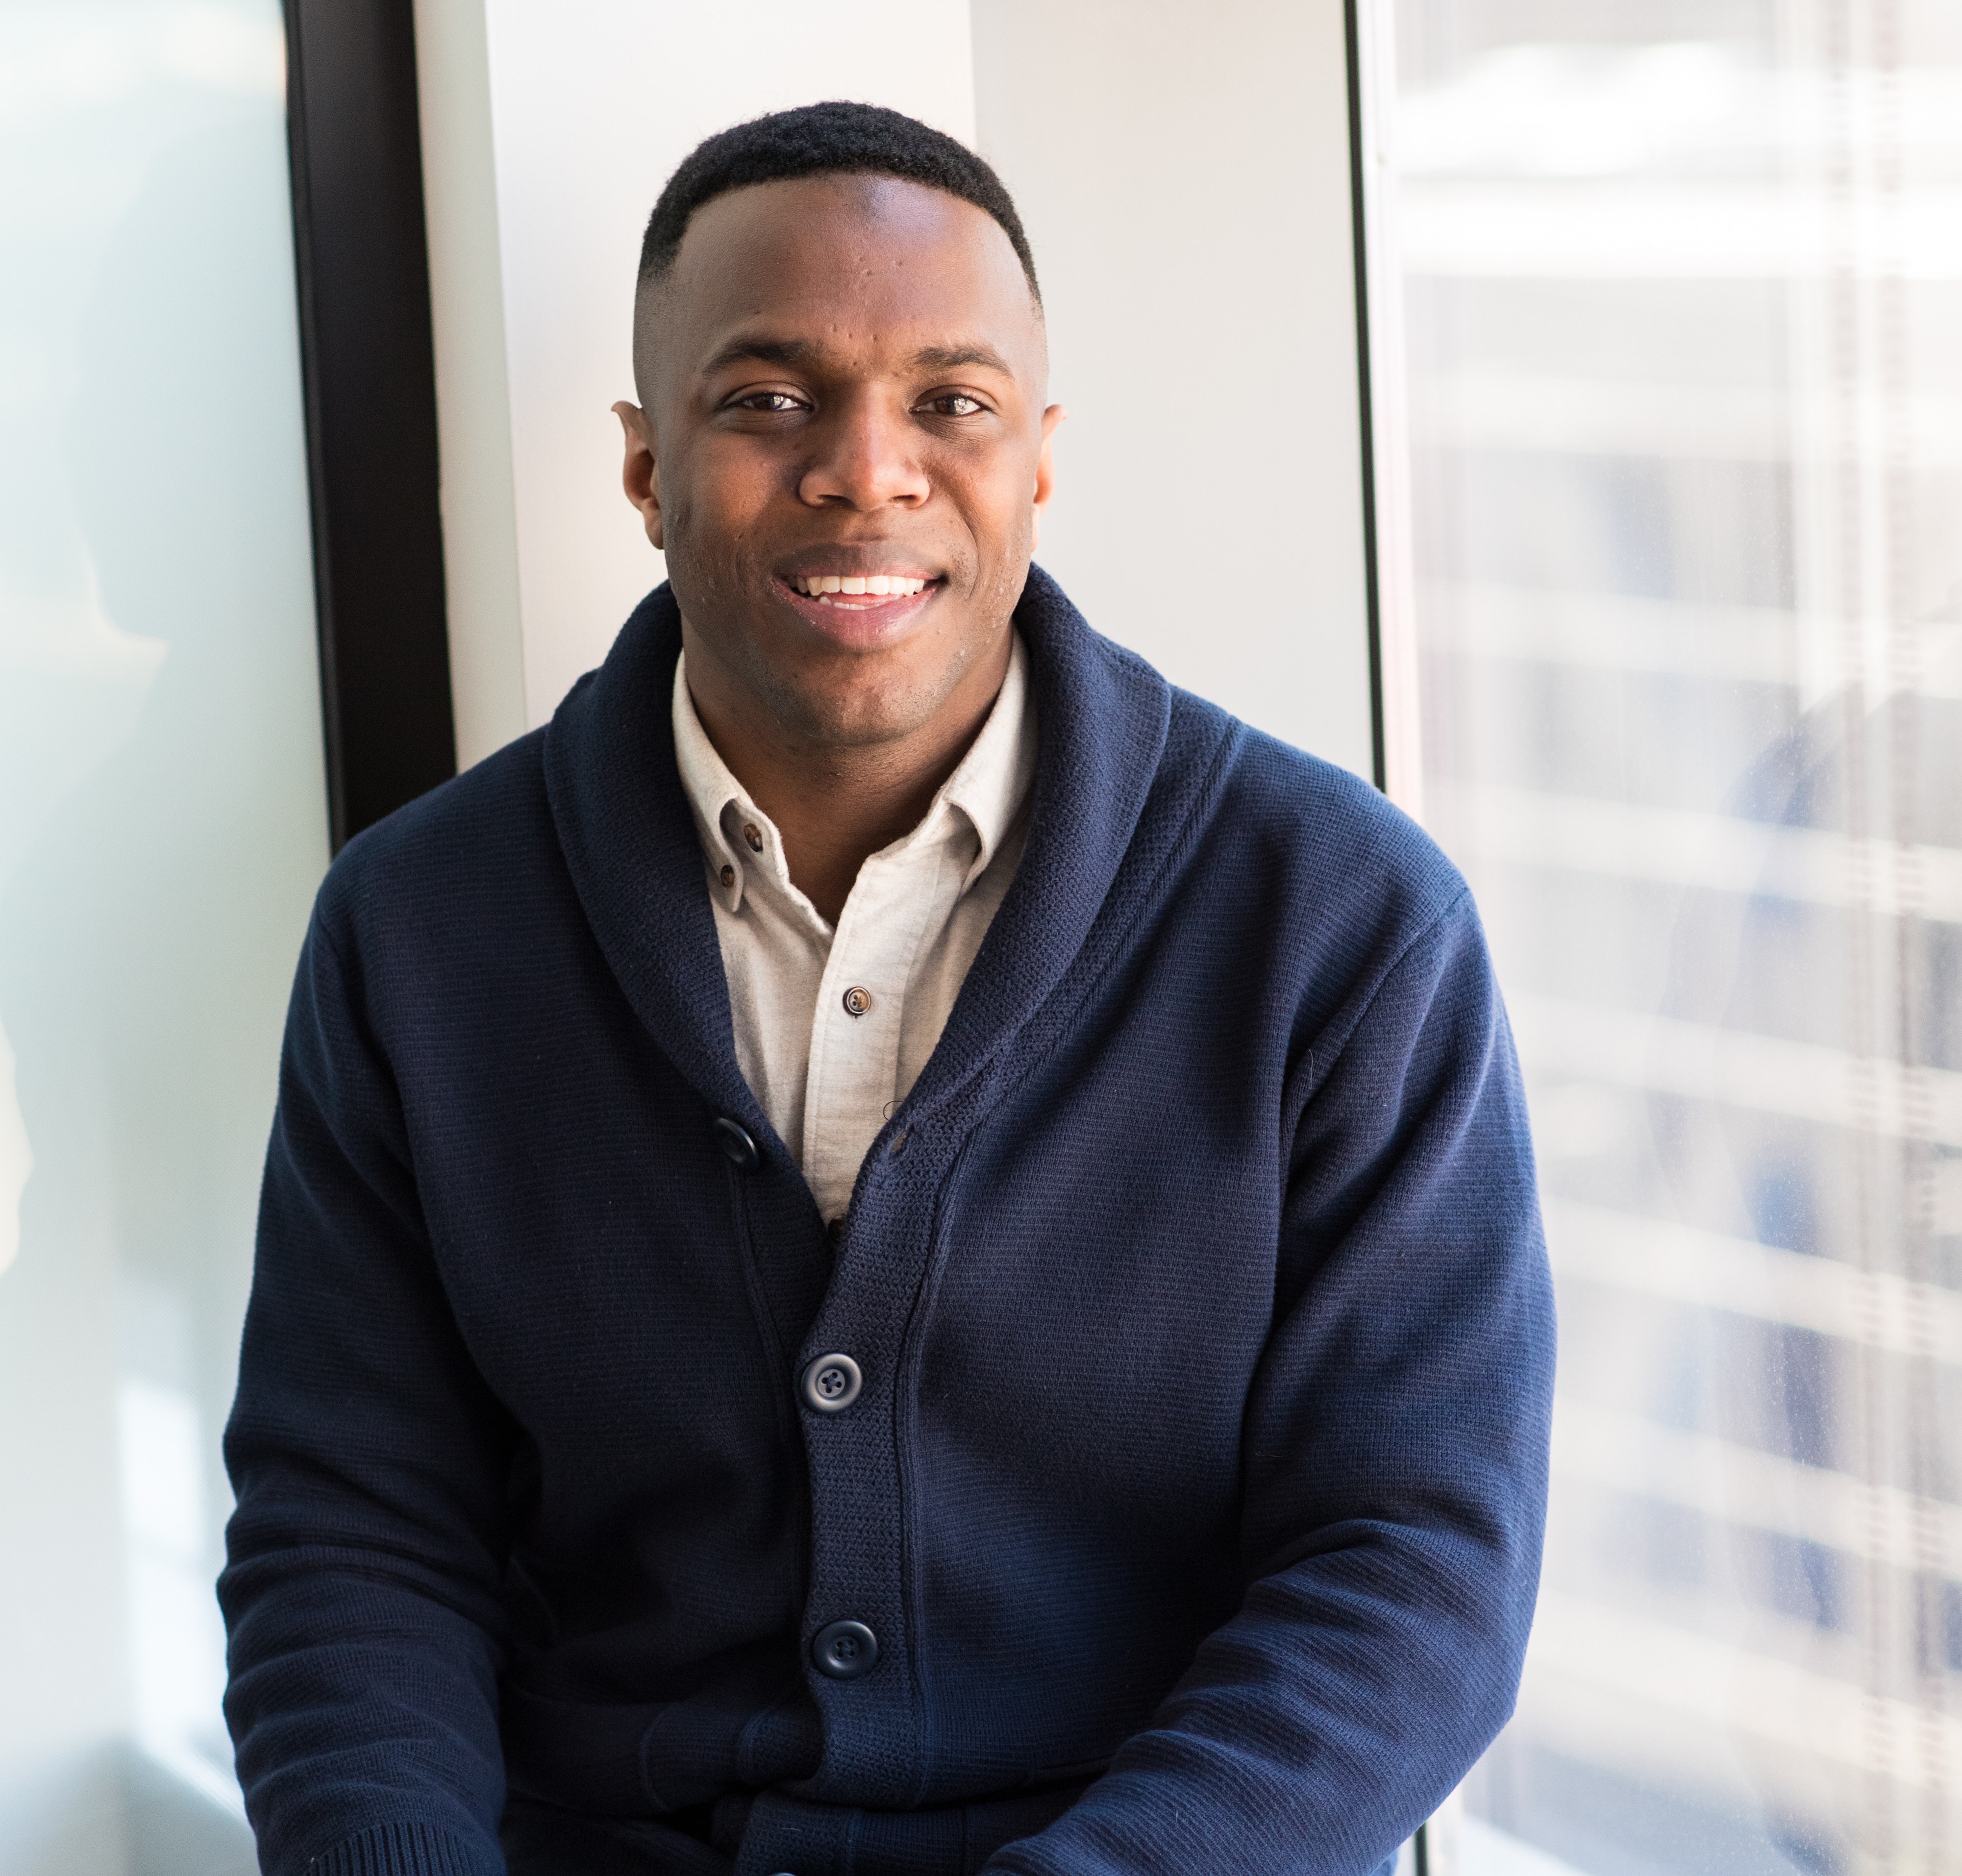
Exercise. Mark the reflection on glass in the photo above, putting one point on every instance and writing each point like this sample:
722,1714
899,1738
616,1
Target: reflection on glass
161,828
1676,295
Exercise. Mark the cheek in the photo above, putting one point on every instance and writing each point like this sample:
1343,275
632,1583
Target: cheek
996,501
724,488
1004,490
711,525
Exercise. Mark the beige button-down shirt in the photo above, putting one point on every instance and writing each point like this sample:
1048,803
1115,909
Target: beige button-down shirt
833,1026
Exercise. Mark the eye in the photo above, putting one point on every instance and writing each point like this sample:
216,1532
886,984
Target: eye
771,401
954,404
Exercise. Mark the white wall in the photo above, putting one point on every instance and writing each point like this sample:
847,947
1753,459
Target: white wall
1183,168
480,507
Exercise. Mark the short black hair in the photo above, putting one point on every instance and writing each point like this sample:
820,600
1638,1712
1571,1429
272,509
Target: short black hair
831,139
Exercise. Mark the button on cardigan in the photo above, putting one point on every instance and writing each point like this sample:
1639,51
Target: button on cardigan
1193,1489
832,1027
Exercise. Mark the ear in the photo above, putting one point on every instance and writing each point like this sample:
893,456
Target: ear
640,473
1045,470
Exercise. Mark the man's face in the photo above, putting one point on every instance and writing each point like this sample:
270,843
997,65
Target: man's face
844,379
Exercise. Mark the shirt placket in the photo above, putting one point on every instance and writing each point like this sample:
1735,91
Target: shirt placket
857,1026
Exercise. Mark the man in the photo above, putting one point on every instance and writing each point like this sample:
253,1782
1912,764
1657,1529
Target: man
891,1249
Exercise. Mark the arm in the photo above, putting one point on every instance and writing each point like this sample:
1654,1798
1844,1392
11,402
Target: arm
362,1594
1394,1462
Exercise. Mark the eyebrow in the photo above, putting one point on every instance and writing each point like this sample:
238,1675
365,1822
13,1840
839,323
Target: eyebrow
761,351
758,350
952,357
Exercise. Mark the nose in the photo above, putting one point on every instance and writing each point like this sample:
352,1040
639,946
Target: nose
865,456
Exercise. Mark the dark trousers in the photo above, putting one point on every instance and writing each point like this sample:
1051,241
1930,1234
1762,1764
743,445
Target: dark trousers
541,1840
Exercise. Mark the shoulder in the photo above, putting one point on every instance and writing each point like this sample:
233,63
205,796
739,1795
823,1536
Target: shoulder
1316,833
1299,883
484,837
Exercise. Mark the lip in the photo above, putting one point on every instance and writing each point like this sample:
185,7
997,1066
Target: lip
857,621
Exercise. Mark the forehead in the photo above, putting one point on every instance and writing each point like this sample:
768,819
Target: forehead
851,264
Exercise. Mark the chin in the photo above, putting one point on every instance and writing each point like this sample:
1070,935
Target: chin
860,715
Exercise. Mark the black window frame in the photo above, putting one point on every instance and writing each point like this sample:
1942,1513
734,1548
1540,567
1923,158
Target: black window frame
367,361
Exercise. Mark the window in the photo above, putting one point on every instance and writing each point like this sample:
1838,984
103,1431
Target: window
1665,301
162,827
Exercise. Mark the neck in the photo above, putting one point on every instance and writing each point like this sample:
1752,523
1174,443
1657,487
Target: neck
835,803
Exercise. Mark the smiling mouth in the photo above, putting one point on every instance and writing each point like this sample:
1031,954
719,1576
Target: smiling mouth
857,592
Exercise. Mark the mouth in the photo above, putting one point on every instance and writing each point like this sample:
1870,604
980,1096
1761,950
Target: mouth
858,611
858,593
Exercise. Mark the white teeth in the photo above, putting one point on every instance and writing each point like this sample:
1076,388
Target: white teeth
817,585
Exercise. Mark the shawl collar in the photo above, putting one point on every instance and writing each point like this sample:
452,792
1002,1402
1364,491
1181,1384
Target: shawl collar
630,843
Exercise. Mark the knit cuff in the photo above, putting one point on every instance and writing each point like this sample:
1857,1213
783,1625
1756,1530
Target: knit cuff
411,1849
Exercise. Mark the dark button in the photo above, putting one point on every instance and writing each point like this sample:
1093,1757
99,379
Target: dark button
754,835
831,1384
844,1650
729,876
737,1147
834,1232
858,1000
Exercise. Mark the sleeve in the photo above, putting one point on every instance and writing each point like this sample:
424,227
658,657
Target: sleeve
363,1592
1394,1464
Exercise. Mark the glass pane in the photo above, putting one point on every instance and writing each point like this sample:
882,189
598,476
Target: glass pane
162,827
1669,331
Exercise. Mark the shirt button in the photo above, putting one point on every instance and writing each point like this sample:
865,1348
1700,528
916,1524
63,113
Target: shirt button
858,1000
831,1384
844,1650
754,835
737,1147
729,876
834,1232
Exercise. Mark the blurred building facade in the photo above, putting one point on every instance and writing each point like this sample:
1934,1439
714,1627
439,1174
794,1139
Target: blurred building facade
1667,316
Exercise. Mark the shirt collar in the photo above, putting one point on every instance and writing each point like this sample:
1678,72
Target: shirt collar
987,788
634,854
712,792
992,780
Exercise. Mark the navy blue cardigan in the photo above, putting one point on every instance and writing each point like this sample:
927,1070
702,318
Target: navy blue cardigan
1193,1496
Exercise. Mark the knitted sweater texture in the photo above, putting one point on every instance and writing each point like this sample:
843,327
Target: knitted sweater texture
1192,1495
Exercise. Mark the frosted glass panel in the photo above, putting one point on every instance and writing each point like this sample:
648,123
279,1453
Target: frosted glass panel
1676,291
162,826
